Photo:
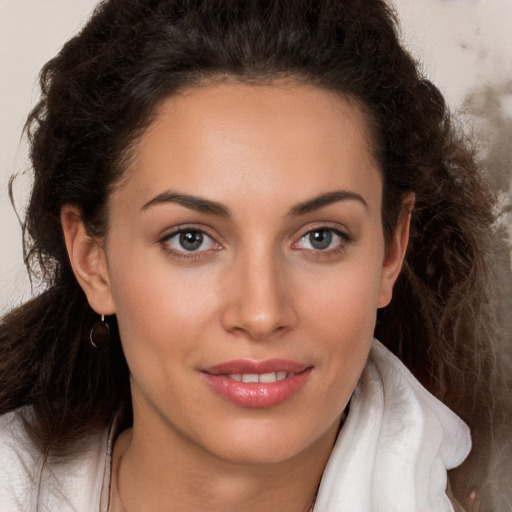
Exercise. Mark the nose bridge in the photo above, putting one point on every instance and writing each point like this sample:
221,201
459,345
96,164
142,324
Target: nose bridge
262,304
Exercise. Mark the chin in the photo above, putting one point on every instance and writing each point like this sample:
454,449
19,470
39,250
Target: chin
268,443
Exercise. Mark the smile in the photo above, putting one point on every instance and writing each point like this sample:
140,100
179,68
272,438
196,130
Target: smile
257,384
264,378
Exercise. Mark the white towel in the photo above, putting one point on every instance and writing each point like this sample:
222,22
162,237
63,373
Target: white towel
395,447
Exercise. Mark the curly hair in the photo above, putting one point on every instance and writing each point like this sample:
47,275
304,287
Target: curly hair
103,89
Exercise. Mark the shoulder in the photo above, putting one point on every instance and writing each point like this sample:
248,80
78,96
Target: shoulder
31,481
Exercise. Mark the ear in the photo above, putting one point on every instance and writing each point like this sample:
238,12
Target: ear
88,260
395,252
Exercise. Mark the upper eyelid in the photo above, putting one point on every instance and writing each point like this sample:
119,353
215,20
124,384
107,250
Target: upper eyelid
342,235
338,231
188,227
341,230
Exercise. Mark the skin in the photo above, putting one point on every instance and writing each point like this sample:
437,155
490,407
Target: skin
257,289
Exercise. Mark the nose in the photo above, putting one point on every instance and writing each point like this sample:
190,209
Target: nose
260,305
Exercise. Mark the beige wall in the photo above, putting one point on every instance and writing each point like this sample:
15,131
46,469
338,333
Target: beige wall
31,32
465,45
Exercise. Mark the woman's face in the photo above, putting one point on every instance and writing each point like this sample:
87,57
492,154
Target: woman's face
245,264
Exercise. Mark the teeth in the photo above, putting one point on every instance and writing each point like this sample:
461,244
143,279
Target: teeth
267,378
250,377
264,378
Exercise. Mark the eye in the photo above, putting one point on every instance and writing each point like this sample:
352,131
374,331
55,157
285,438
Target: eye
321,239
190,240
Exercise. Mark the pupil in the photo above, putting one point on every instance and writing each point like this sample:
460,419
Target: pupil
191,240
320,239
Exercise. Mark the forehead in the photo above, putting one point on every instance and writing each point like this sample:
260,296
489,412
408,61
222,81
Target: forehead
231,139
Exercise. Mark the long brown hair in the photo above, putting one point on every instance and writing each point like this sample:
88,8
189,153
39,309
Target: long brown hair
101,91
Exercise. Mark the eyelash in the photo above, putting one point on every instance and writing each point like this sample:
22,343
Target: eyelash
194,255
340,247
184,254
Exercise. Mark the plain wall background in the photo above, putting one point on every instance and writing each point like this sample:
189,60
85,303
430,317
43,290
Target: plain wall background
465,46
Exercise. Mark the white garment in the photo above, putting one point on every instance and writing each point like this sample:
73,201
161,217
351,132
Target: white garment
395,447
392,454
70,484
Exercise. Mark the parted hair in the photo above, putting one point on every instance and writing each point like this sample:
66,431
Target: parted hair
100,93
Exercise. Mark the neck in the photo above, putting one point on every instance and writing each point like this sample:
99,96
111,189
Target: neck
153,476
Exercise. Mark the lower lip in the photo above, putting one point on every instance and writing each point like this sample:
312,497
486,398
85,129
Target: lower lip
257,394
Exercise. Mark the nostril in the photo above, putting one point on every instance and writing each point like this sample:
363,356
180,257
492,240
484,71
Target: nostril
257,326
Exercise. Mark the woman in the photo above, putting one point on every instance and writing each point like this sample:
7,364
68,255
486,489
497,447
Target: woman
224,196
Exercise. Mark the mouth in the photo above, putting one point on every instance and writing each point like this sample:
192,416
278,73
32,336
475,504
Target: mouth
257,384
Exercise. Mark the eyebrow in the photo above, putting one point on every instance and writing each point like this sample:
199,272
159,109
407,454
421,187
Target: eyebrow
214,208
325,200
191,202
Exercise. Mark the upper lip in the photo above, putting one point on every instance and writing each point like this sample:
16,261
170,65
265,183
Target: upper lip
257,367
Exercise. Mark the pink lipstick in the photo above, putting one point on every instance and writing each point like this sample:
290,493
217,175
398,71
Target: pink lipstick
257,384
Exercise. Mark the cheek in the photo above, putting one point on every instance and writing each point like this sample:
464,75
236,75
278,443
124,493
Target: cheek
164,306
341,313
344,298
164,315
